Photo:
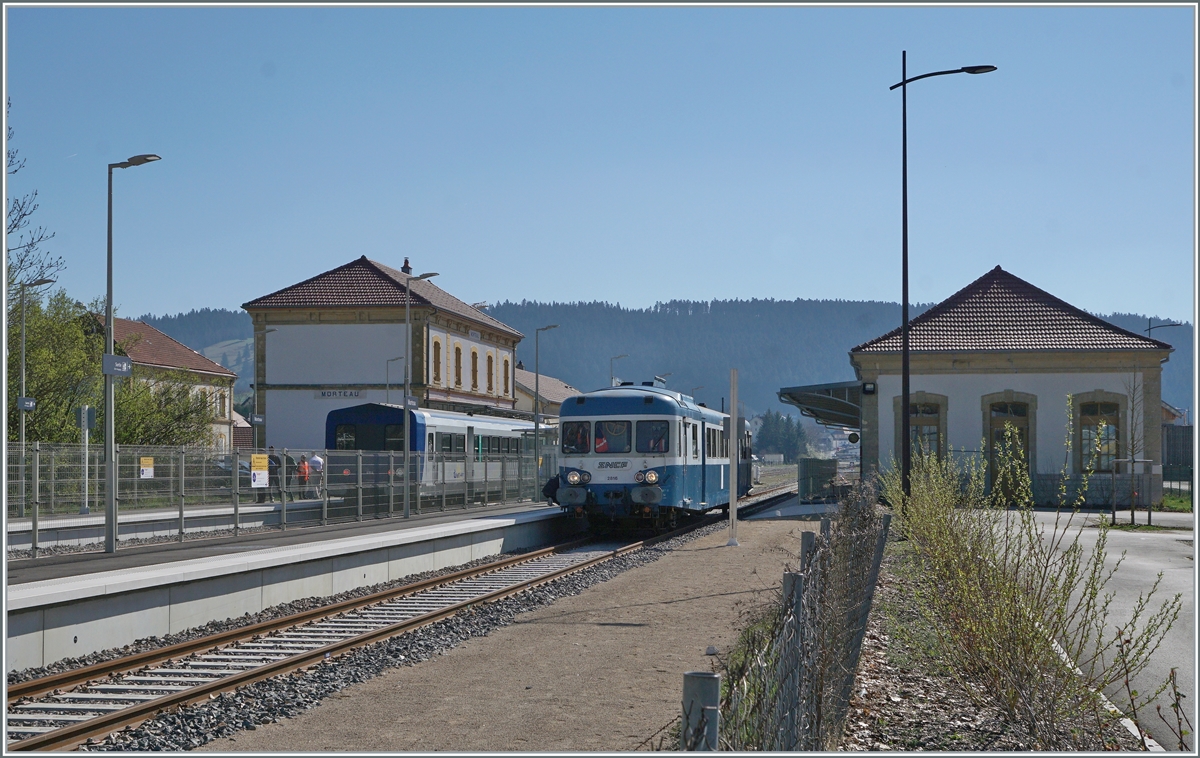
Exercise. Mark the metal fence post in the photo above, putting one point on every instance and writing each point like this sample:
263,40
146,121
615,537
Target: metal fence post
283,490
182,488
359,486
37,498
53,454
443,475
235,463
701,714
325,490
407,473
487,491
116,515
391,482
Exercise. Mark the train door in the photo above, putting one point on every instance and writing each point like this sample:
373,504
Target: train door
704,465
469,461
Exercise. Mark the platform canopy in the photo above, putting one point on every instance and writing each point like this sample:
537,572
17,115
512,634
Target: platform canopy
838,404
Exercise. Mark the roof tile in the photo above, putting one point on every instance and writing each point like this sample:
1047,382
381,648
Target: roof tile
147,346
999,312
364,283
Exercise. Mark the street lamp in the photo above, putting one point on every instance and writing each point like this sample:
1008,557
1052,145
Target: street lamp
611,377
387,371
537,398
692,391
24,403
110,429
1150,326
259,444
906,453
662,378
408,376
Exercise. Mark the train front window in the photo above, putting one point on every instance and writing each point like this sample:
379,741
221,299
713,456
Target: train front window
612,436
393,436
576,437
653,436
344,436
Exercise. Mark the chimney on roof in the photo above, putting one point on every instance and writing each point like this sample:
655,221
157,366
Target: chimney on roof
406,268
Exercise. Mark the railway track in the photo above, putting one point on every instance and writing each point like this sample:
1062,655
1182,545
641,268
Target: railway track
65,710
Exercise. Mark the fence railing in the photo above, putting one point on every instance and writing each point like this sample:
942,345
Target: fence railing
57,493
789,688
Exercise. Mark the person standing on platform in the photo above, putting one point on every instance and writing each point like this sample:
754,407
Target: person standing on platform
273,474
316,466
302,474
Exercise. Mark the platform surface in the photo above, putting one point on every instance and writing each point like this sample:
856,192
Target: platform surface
50,567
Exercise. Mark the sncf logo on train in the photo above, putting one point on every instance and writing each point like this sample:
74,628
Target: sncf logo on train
612,464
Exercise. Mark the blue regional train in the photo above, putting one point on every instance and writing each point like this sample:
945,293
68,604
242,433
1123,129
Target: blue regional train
636,456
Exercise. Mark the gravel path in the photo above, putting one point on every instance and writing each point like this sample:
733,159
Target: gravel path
553,669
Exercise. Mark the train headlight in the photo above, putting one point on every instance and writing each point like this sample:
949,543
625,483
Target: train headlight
639,476
651,477
586,477
573,477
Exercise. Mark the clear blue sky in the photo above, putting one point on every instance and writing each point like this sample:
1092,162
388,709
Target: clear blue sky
623,154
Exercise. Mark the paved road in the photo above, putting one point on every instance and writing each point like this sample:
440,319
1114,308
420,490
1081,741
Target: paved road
1146,554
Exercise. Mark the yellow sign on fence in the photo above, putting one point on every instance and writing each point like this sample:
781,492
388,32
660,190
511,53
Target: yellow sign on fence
258,470
146,467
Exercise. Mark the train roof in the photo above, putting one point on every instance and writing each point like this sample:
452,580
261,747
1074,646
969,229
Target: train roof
375,411
639,401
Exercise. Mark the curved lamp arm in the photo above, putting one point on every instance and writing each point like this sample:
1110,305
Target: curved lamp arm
963,70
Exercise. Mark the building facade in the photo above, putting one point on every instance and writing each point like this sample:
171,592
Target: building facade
999,353
340,339
152,350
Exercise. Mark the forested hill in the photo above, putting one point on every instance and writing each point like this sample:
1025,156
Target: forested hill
199,329
773,343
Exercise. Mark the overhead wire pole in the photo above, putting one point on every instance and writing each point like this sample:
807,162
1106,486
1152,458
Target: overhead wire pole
408,380
537,399
905,398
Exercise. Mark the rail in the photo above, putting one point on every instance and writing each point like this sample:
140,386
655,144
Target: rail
64,710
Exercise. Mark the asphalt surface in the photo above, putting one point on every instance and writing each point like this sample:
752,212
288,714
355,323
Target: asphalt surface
1146,554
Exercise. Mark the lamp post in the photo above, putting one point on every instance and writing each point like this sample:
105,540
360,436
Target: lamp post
388,377
110,434
259,444
1149,328
408,377
906,453
611,376
22,401
537,398
692,391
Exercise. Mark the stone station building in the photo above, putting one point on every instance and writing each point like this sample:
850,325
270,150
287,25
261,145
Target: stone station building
1002,351
329,342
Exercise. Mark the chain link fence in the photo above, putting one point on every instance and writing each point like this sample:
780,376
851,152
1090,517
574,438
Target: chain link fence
57,492
789,686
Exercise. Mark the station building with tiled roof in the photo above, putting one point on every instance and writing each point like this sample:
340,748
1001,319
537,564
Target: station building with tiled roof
339,339
551,391
151,349
1002,352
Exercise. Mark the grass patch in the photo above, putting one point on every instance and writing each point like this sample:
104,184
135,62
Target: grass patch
1175,503
1125,526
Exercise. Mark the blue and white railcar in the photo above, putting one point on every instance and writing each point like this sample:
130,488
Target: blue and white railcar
646,455
448,447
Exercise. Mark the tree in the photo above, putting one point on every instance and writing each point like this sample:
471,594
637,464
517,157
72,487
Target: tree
781,434
26,258
65,342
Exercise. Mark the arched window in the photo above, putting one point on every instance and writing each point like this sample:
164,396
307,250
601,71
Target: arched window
437,362
474,370
506,373
490,371
458,365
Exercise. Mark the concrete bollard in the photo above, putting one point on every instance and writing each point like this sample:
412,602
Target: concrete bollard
701,711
